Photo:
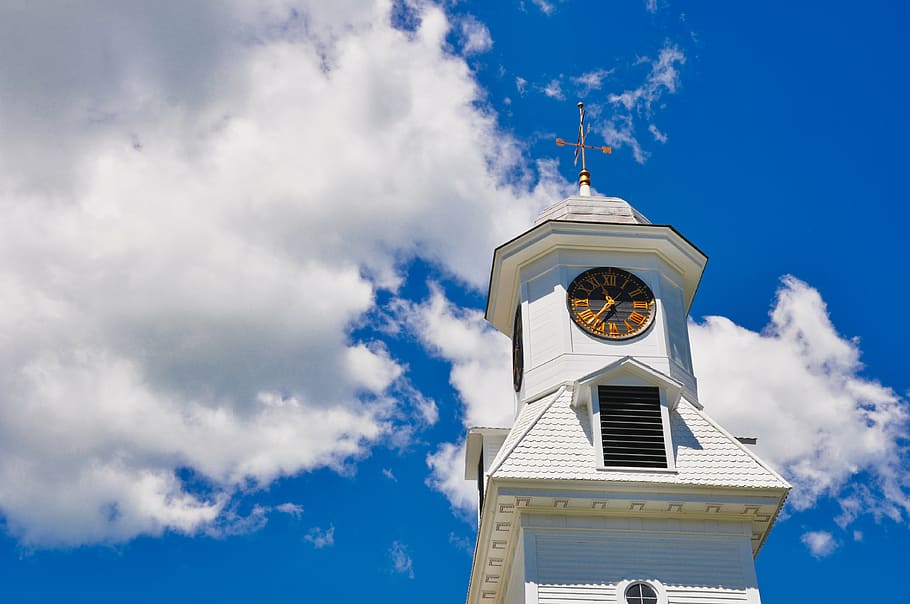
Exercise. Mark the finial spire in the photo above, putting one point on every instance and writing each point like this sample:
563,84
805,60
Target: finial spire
584,177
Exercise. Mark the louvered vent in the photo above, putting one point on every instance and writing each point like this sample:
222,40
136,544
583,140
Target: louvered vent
631,428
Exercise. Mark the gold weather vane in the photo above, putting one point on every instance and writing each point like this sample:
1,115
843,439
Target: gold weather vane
584,177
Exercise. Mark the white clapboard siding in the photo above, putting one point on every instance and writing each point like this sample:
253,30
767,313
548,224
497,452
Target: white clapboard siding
704,595
603,594
608,557
515,590
575,594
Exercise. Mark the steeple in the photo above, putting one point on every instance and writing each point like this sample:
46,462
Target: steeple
613,484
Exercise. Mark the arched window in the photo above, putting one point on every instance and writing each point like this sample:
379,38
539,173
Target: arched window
641,593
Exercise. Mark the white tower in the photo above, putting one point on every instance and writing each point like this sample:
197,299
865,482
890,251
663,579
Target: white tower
612,485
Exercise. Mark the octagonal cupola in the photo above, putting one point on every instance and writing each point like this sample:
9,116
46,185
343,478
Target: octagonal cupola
604,238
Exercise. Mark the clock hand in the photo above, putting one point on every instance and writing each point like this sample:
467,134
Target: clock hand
608,303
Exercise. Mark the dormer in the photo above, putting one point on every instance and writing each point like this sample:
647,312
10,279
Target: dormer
629,406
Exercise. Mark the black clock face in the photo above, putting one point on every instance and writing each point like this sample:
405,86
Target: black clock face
610,303
518,357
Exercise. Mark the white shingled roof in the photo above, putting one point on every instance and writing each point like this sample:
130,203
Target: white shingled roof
553,440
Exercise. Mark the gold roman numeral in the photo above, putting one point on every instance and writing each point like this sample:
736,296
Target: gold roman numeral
642,305
614,330
586,315
580,302
638,318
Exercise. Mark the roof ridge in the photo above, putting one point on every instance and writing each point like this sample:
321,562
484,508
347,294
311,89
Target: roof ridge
505,452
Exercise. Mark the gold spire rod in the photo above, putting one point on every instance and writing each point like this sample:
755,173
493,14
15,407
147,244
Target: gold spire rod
584,177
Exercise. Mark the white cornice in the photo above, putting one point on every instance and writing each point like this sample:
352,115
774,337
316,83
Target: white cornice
662,240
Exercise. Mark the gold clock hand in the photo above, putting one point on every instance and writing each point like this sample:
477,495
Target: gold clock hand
608,302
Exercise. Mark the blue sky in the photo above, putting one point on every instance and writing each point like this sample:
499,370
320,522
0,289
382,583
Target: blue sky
245,249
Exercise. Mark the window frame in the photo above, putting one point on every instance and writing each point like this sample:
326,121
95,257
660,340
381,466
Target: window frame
623,587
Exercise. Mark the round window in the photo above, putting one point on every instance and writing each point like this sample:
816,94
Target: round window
641,593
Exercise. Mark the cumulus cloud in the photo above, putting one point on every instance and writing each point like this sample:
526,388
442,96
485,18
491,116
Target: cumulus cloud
477,353
480,357
820,543
446,466
401,559
798,387
189,241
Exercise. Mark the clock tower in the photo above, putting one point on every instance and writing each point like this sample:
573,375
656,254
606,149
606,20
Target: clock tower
613,484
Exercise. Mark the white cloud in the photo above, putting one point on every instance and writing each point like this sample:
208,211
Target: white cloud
447,476
592,80
521,85
657,134
465,544
475,37
545,7
401,560
479,355
480,359
321,538
230,522
291,509
389,474
820,543
190,236
797,387
638,103
554,90
651,6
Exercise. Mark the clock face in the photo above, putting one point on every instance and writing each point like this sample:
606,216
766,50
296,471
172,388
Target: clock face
518,357
610,303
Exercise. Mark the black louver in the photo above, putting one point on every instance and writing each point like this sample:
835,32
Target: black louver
631,428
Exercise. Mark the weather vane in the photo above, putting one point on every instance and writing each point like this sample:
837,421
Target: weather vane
584,177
